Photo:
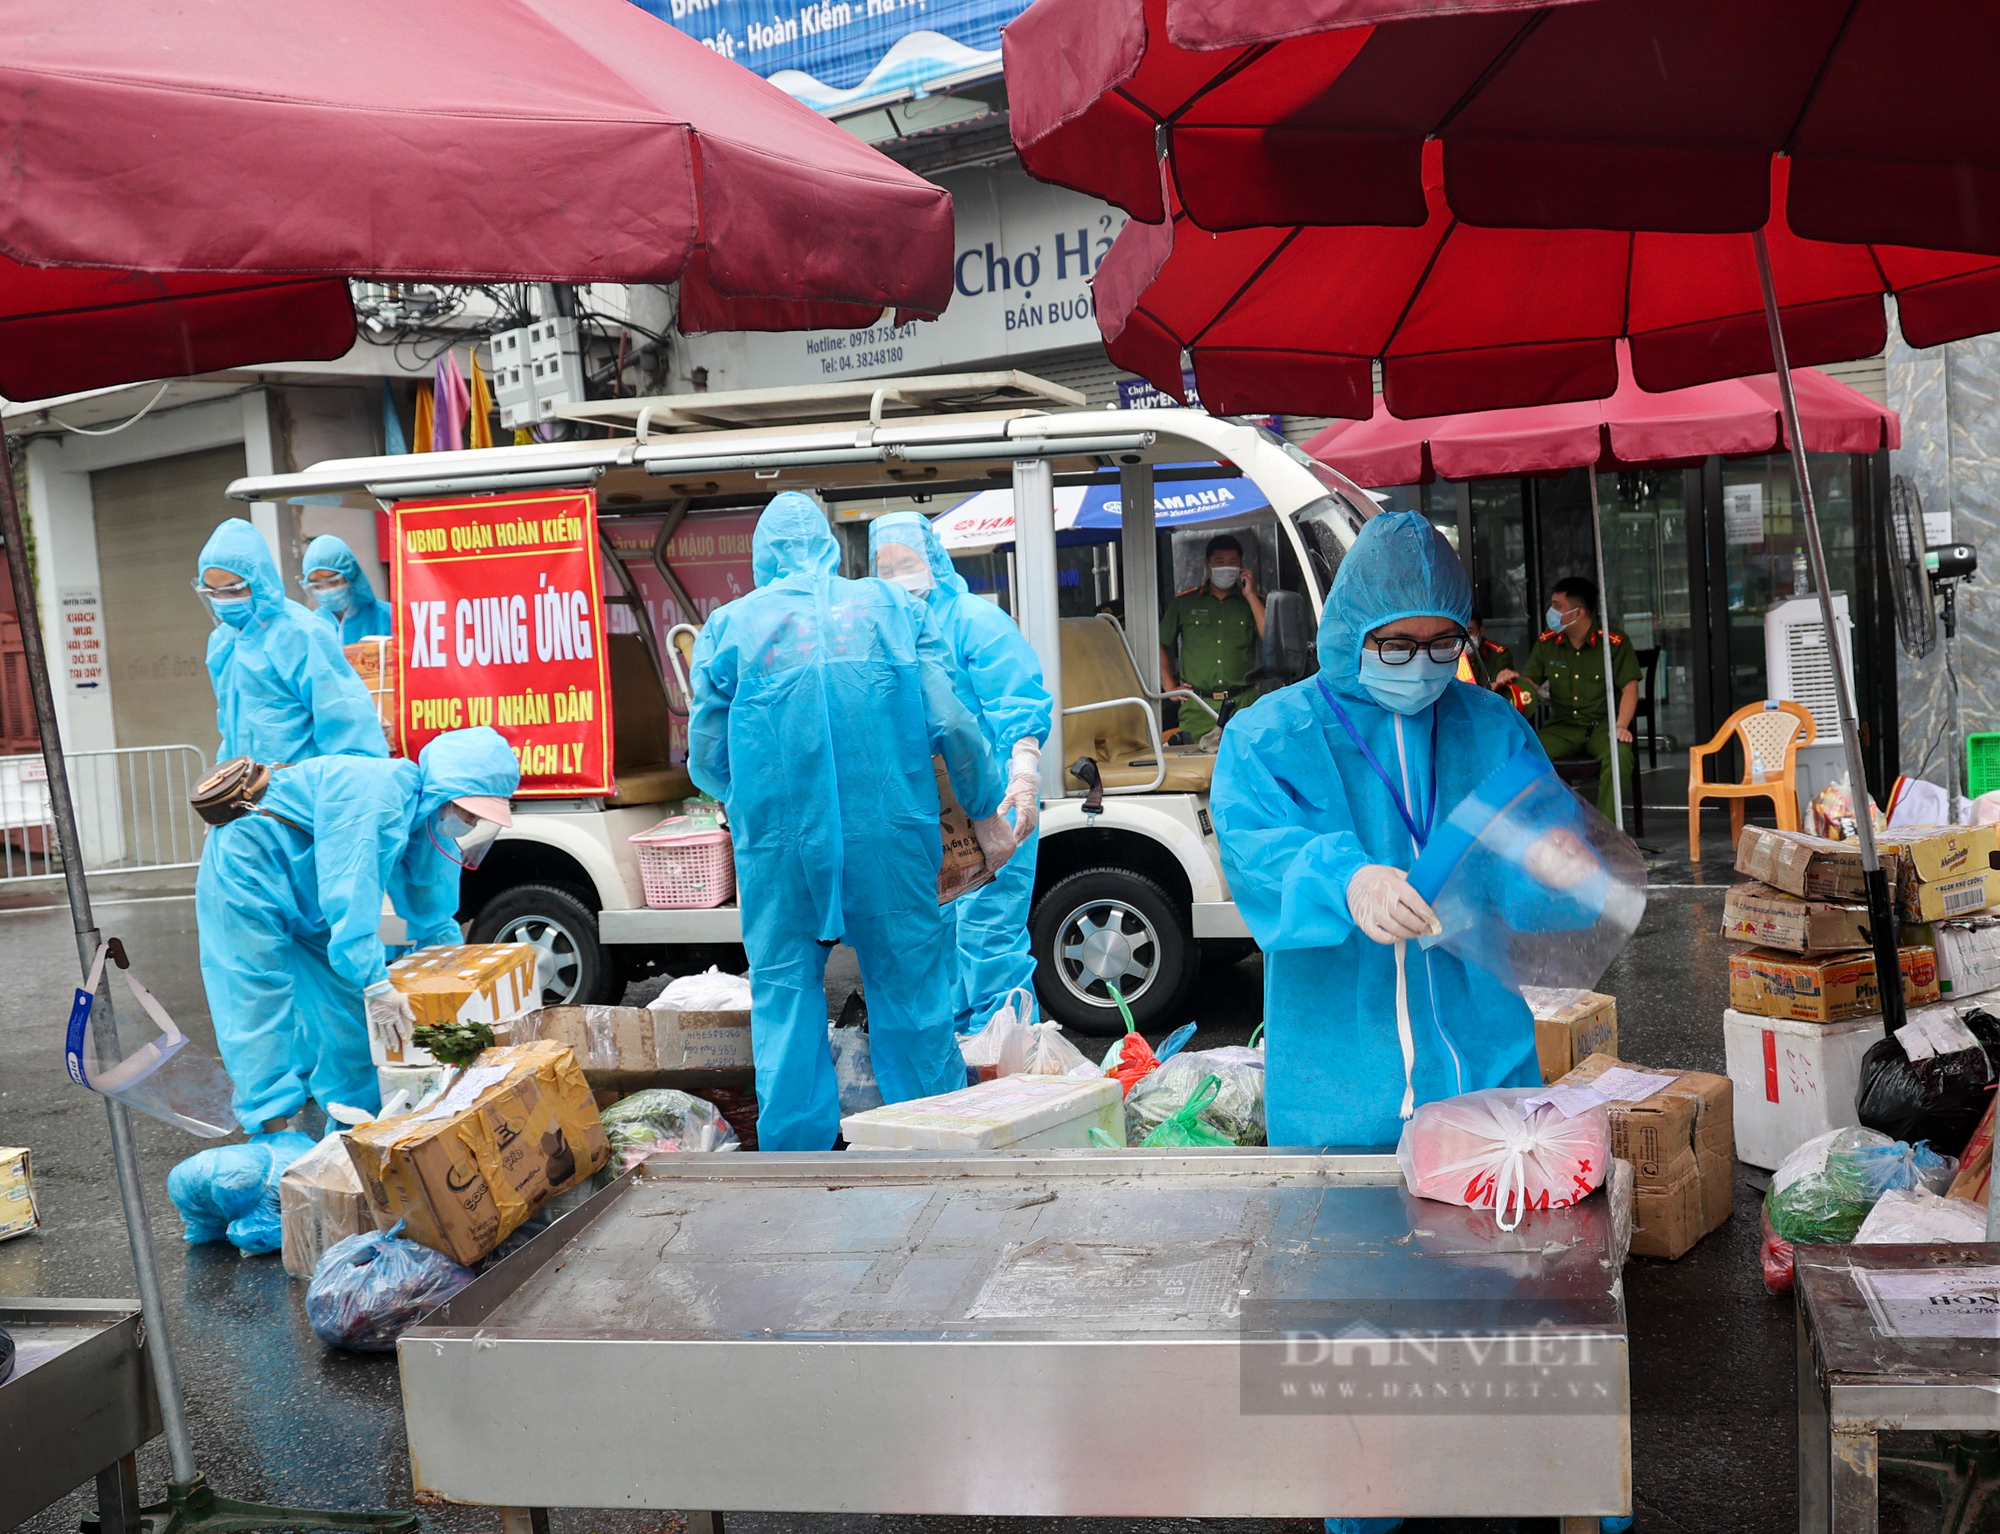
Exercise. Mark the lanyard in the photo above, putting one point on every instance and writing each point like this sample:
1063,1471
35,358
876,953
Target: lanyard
1419,835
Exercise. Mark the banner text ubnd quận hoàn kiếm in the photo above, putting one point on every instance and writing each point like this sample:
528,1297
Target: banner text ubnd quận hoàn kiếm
832,52
500,621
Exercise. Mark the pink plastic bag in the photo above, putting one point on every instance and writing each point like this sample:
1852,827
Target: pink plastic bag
1484,1151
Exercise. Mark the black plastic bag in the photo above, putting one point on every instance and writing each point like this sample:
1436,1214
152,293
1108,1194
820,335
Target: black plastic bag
1940,1099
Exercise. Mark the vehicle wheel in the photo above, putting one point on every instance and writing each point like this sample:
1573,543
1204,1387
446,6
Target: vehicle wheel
1108,924
569,964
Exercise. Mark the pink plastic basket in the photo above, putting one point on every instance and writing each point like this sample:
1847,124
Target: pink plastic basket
683,870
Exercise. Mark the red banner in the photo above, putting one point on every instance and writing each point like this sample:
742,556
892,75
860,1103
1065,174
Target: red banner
500,621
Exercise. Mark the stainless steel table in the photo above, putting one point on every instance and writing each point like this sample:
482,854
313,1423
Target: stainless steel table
78,1404
1891,1338
1229,1333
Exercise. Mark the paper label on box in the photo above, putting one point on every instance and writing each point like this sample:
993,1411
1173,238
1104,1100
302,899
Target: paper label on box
1937,1302
1935,1031
1569,1101
464,1092
1624,1085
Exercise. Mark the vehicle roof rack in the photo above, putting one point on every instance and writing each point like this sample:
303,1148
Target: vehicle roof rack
860,399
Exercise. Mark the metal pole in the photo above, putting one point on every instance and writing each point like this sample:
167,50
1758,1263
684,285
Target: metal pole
1139,547
1882,920
1604,626
124,1154
1037,611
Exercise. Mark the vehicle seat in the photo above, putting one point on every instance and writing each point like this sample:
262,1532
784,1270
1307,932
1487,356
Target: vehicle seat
641,729
1096,669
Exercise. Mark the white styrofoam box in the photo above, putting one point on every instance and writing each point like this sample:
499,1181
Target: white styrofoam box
1012,1113
1968,956
1793,1079
419,1080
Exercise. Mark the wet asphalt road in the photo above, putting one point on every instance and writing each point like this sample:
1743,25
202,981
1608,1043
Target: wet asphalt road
278,1417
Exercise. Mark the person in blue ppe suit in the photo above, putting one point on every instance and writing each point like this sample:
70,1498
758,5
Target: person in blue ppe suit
1000,681
283,690
1324,795
818,704
341,592
289,900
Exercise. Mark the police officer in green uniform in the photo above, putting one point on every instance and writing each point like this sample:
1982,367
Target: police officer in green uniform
1567,666
1216,628
1489,657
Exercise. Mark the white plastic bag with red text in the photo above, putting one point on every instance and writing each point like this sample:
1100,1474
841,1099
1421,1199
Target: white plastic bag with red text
1487,1150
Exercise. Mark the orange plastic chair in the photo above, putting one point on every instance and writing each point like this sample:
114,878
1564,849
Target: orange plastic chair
1773,730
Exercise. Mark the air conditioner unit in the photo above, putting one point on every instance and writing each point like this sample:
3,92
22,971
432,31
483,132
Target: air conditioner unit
535,369
1799,669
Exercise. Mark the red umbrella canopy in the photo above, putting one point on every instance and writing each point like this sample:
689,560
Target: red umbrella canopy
1619,114
495,140
1462,318
1630,429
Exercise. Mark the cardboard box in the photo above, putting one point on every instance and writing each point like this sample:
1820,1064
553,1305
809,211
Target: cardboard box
1570,1026
1775,918
1932,854
1968,956
1808,866
1823,990
517,1127
1945,899
470,983
962,868
18,1215
633,1047
1681,1141
1013,1113
321,1201
374,661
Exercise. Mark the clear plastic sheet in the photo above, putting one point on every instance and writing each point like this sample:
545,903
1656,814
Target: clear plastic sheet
1529,883
170,1078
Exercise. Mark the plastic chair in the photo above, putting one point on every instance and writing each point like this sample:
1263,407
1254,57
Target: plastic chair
1774,730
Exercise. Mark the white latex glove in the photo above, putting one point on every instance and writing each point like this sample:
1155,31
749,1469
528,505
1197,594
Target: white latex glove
1383,905
391,1019
1024,788
996,840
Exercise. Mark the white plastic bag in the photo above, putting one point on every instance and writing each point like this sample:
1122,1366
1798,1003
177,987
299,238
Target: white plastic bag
713,990
1485,1151
853,1070
1053,1055
1001,1047
1918,1217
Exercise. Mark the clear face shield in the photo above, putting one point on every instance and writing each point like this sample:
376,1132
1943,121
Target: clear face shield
1531,884
463,837
230,603
904,566
169,1077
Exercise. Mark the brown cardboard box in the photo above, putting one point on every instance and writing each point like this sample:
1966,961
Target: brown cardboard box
1958,861
517,1127
1571,1026
1828,989
17,1193
1681,1142
321,1201
374,661
465,983
1773,918
1934,853
963,866
634,1047
1808,866
1944,899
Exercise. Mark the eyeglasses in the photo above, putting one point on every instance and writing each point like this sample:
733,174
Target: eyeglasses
1445,649
229,593
336,584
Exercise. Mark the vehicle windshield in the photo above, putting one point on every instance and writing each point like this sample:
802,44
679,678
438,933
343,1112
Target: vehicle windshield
1328,524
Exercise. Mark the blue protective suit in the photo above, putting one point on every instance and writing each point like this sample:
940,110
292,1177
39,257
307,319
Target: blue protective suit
283,690
818,704
999,679
289,901
1299,809
364,616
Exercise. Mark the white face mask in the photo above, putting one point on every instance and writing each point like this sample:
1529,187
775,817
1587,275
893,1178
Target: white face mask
1225,576
916,582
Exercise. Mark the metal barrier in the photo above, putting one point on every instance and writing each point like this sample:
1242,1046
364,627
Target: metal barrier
131,811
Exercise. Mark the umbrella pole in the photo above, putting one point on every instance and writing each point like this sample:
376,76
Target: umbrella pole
1604,627
190,1504
1882,918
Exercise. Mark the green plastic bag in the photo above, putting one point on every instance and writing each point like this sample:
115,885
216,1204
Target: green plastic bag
1186,1128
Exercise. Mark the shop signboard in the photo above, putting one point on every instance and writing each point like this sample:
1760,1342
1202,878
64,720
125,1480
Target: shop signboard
710,557
499,618
832,53
1023,258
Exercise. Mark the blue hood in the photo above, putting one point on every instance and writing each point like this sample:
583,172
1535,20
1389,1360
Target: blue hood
914,530
239,548
327,552
466,763
1400,567
792,538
